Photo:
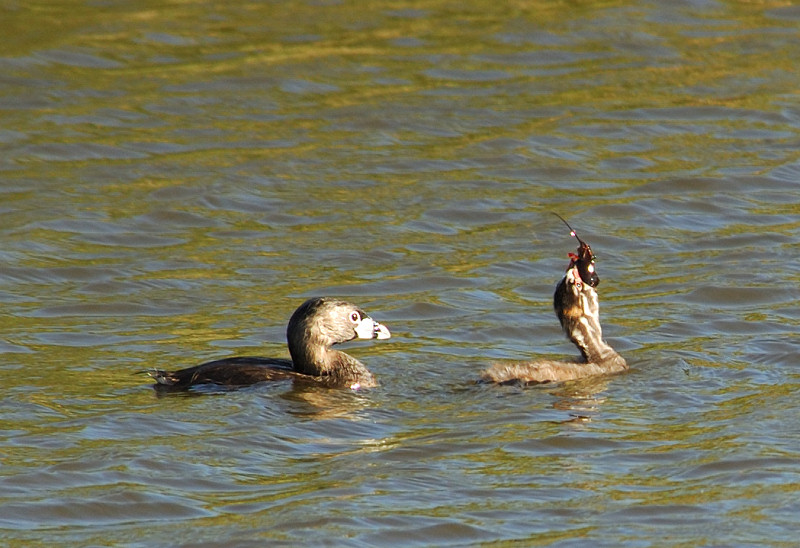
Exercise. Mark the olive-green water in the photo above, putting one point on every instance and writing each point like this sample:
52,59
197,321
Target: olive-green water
177,177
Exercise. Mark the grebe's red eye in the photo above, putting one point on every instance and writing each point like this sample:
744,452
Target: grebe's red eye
355,317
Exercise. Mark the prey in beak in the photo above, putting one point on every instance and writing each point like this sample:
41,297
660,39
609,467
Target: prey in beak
583,260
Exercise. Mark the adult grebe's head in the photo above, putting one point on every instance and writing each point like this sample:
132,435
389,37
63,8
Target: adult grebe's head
325,321
322,322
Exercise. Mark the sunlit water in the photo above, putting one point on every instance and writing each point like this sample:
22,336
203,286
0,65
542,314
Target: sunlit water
175,180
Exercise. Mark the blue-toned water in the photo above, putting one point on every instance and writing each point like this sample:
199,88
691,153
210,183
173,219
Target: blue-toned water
176,179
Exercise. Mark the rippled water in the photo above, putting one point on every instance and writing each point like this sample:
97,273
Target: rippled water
176,179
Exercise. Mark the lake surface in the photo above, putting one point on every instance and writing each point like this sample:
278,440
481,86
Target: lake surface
176,178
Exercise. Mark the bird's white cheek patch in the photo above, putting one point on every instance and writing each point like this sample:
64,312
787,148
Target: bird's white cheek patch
365,329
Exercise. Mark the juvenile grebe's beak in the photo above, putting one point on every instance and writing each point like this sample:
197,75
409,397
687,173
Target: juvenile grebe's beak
368,328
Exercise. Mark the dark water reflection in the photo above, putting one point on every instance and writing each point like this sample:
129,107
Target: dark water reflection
175,180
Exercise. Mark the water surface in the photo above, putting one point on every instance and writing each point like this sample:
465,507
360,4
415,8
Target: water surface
176,179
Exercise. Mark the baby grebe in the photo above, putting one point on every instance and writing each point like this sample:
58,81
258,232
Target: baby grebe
313,329
577,307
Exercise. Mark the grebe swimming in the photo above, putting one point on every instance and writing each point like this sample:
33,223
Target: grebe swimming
317,325
578,309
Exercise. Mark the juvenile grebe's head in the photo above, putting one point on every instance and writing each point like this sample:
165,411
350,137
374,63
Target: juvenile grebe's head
583,261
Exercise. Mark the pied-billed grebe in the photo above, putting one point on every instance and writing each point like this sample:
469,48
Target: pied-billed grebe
317,325
578,309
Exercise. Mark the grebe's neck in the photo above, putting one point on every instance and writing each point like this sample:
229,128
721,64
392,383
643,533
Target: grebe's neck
584,329
310,357
316,359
